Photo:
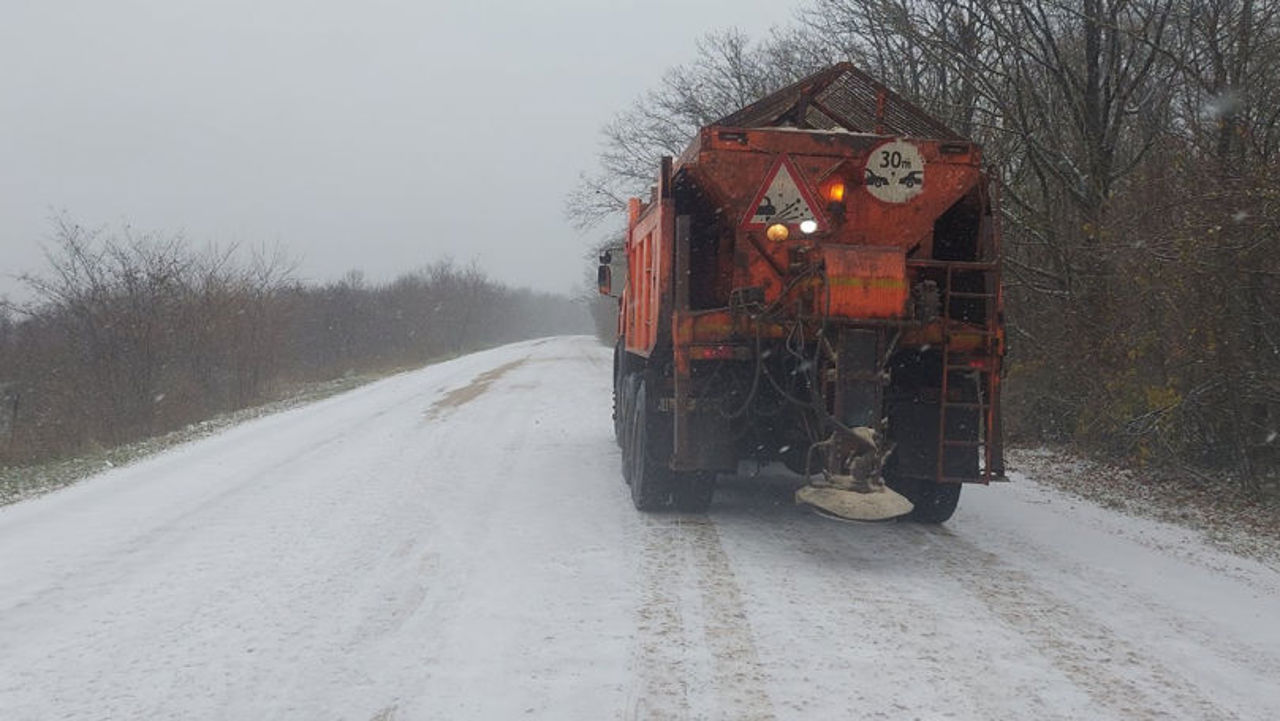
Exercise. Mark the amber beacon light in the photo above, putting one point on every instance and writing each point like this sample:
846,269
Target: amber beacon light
835,193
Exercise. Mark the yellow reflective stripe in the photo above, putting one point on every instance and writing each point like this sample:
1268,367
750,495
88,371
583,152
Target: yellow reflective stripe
712,327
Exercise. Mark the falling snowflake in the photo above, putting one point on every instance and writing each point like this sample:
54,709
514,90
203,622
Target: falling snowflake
1221,105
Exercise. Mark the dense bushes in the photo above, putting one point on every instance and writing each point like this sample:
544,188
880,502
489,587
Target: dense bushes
131,336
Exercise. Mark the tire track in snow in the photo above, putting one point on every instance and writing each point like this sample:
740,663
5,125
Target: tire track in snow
1115,674
386,615
739,675
1235,657
885,636
674,628
660,687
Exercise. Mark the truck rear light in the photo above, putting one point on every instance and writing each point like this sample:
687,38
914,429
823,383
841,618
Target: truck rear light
719,352
835,192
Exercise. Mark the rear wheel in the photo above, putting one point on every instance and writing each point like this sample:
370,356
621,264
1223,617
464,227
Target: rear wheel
693,491
934,502
619,408
913,407
626,394
650,481
617,414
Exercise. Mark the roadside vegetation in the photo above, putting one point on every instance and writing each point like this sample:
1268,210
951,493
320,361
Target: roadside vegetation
131,337
1224,515
18,482
1138,143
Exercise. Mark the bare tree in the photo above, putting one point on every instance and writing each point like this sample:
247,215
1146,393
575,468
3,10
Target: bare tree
133,334
728,72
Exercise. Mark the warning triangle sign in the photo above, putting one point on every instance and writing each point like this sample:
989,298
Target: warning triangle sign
783,198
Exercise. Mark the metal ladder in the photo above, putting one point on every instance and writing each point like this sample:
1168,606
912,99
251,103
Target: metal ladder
985,363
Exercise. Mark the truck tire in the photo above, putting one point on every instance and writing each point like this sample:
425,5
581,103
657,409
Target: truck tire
912,406
621,410
650,481
692,491
617,416
626,404
618,407
934,502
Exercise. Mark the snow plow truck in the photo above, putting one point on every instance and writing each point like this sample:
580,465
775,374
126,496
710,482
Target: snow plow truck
814,281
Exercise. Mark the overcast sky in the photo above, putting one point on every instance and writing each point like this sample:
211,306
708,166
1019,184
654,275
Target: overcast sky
377,135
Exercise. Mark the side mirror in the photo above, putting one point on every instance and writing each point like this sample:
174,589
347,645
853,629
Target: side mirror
604,280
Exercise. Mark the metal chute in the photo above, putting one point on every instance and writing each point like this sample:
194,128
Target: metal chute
856,491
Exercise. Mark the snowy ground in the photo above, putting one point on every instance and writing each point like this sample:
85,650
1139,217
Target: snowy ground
457,543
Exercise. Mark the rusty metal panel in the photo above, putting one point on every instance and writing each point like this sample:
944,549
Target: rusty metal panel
841,96
734,173
815,118
865,281
773,108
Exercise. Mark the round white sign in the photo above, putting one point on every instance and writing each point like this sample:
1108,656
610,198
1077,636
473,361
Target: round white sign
895,172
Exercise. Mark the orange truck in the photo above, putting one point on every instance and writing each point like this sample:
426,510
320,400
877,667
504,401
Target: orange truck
815,281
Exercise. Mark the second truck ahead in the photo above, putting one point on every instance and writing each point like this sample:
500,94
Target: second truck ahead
815,280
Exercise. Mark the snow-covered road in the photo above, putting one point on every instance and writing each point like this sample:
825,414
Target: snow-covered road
457,543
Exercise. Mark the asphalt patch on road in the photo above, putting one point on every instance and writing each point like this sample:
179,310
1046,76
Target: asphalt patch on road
461,396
